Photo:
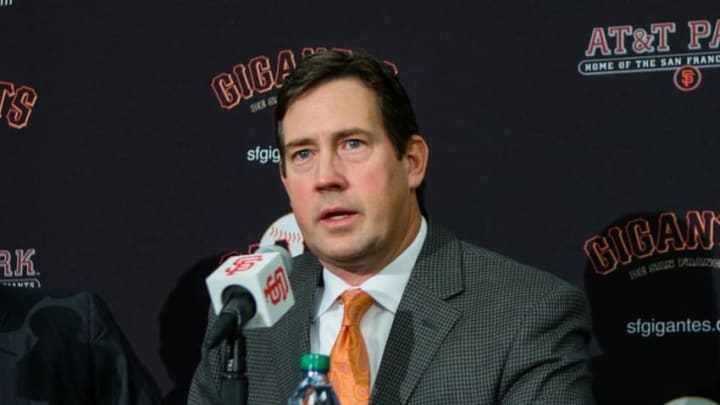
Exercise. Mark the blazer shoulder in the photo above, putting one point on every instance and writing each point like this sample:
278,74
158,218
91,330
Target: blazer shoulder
480,265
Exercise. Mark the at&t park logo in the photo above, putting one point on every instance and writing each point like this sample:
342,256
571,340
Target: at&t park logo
682,48
249,81
17,268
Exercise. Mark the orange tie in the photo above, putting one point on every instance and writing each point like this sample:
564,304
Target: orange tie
349,363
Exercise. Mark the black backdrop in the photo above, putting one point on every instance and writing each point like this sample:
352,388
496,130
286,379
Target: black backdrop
133,152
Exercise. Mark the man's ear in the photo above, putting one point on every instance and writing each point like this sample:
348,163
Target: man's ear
416,157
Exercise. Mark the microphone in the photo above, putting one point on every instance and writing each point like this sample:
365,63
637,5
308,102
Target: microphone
250,291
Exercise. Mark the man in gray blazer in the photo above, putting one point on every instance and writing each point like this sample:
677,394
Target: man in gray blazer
450,322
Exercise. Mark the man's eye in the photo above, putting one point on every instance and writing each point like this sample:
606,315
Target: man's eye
301,154
353,143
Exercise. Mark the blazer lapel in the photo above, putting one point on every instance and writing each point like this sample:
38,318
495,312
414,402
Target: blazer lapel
423,319
291,337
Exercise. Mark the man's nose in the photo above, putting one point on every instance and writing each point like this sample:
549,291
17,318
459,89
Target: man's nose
330,173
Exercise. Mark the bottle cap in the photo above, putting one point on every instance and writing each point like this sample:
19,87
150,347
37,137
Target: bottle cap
314,362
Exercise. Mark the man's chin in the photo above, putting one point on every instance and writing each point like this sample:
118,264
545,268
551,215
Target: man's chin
337,256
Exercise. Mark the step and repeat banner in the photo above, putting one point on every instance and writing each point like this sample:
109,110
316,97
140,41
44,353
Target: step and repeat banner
137,150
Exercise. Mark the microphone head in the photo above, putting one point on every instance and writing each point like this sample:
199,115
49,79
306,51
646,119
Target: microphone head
264,275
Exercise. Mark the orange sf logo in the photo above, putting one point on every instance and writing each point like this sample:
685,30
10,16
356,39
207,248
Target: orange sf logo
687,78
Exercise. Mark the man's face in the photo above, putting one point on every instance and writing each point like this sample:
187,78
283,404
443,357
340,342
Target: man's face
352,197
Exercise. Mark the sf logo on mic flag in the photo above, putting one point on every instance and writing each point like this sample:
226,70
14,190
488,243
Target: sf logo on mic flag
277,287
243,263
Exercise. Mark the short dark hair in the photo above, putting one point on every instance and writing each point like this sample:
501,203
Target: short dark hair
393,102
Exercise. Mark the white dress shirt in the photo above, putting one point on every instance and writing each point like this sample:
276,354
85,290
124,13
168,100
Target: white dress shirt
386,288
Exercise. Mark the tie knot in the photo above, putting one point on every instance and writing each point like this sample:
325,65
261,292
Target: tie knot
356,302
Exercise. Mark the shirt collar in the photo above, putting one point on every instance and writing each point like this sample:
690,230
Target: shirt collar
386,287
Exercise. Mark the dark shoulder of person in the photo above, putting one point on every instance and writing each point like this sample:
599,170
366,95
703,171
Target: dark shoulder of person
64,347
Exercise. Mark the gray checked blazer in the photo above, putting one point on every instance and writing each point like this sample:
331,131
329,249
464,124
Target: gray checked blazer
472,327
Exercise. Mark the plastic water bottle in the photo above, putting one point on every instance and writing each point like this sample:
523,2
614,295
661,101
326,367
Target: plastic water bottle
315,388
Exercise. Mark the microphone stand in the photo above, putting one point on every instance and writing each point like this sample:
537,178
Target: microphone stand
234,381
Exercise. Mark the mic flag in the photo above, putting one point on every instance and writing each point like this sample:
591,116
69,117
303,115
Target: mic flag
250,291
